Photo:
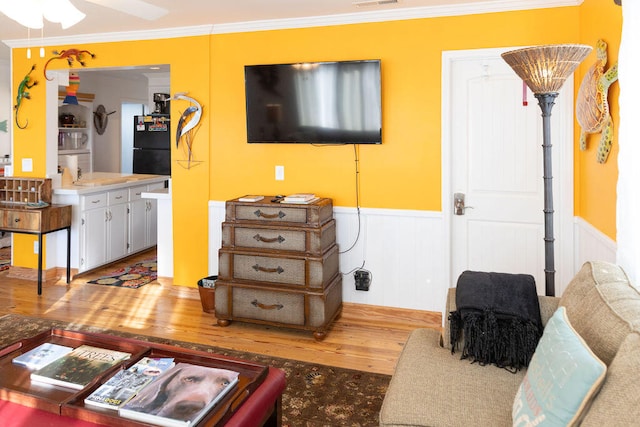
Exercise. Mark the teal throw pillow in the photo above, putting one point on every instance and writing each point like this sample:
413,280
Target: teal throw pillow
562,378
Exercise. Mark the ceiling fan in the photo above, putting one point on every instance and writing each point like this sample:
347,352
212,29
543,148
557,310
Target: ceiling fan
138,8
32,13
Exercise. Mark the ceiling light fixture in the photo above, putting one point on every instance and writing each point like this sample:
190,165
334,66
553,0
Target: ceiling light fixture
32,13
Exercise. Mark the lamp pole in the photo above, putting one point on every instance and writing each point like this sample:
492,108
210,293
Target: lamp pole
544,69
546,101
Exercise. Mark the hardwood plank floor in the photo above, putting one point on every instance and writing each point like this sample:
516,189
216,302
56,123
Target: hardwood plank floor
365,337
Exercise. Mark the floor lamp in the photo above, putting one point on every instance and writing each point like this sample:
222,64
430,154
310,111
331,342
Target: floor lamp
544,69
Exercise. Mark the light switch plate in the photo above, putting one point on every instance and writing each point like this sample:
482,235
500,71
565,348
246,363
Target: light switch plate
279,173
27,165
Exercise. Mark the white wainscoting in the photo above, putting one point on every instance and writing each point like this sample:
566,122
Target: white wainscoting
402,249
405,252
590,244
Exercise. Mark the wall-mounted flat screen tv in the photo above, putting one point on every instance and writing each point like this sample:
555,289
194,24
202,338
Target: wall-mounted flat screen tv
314,103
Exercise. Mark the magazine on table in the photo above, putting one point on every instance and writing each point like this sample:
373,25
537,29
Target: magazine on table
42,355
79,367
181,396
126,383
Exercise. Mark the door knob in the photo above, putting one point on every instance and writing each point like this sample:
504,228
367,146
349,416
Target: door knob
458,204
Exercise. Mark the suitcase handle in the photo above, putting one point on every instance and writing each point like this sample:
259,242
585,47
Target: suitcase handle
261,214
259,238
255,303
278,269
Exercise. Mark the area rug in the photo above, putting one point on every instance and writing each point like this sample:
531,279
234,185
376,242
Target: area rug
132,276
5,258
316,395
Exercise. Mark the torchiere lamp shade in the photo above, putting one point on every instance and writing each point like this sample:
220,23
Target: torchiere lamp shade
545,68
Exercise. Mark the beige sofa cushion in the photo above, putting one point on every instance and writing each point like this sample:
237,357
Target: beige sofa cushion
602,306
618,403
456,393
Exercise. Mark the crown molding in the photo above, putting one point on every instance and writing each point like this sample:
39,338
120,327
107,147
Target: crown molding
491,6
156,34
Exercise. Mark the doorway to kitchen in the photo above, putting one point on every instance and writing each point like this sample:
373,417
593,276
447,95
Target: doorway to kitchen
128,111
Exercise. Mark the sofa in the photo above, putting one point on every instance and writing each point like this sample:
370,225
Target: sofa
433,387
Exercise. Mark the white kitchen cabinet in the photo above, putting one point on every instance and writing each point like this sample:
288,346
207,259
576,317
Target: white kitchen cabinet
152,219
143,222
103,231
105,211
137,219
117,240
93,232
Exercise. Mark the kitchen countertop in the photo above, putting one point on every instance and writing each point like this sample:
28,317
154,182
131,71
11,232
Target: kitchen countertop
100,181
160,194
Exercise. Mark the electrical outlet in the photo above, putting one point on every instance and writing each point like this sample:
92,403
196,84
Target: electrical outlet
36,247
279,173
362,279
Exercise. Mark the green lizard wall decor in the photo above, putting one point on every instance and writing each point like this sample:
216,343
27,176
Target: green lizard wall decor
23,93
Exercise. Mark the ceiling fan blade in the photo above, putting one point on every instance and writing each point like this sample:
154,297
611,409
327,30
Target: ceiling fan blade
138,8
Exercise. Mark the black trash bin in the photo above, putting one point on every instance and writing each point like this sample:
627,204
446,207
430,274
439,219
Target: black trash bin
207,289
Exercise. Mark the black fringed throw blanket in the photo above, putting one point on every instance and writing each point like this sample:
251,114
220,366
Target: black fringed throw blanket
499,314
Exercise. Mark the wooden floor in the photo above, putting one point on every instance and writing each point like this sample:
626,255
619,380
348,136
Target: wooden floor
367,338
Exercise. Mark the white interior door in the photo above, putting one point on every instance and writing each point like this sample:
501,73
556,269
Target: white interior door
496,163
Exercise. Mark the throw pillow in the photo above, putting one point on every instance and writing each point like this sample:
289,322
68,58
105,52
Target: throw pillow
562,378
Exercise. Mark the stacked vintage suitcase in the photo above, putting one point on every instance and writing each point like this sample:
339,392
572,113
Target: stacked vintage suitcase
278,265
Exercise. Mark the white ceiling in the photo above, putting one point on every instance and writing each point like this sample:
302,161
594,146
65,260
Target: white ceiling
233,13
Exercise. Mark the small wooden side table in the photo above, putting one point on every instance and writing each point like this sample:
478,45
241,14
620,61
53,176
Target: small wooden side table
18,218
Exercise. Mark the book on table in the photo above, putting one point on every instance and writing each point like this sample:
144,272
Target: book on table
181,396
41,355
303,202
299,198
79,367
126,383
250,198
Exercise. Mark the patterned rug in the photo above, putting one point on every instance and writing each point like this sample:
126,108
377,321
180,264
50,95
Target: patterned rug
316,395
5,258
132,276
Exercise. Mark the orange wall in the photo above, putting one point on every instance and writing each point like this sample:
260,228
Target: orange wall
595,183
405,171
402,173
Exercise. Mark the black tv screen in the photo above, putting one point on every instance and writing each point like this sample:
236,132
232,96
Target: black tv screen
314,103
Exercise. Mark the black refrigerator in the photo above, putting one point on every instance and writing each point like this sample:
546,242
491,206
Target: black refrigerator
152,144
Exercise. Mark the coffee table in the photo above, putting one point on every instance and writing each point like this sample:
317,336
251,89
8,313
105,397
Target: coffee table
255,402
